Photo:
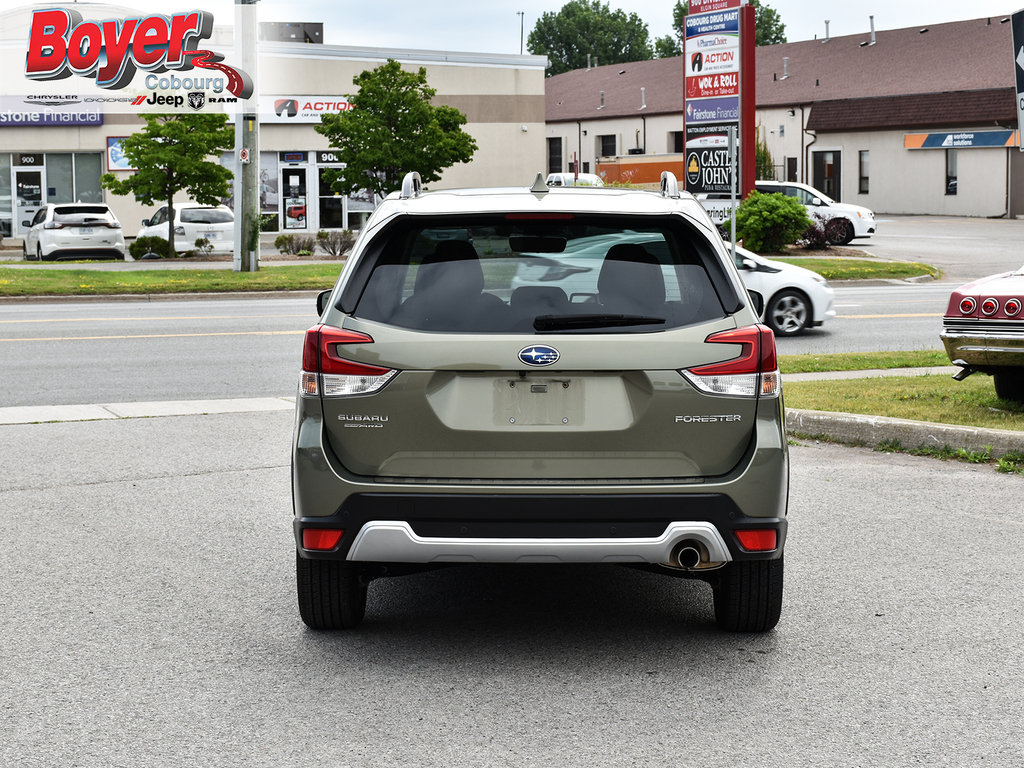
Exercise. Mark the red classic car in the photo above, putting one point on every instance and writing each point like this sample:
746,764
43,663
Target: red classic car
983,331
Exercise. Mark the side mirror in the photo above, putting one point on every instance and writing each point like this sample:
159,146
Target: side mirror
758,302
748,264
815,201
145,222
321,301
26,223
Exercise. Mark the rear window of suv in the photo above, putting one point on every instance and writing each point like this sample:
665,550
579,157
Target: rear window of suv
205,216
515,274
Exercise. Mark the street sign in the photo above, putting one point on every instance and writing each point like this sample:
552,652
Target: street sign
1017,22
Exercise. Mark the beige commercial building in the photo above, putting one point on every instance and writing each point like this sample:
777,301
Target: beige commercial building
918,120
58,137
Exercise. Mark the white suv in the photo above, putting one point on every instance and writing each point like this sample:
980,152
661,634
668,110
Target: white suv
193,221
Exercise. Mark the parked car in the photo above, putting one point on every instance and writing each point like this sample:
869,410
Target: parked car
73,231
983,331
574,180
795,298
444,416
843,221
193,221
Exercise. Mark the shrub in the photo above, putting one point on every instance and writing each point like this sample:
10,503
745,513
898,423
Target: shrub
816,237
336,242
149,244
768,223
203,247
294,245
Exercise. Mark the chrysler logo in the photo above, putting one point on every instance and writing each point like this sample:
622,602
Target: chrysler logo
539,355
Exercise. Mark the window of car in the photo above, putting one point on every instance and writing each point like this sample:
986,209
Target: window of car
40,217
577,274
160,217
77,214
206,216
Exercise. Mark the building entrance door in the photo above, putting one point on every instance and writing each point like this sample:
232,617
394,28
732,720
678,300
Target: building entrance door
28,197
827,173
293,198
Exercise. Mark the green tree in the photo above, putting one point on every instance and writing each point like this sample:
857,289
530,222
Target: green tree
584,27
169,155
767,22
763,161
392,129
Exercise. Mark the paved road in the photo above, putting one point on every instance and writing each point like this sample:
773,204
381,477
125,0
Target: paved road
963,248
147,617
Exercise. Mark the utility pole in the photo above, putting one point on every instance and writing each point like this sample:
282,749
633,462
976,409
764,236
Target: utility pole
247,144
521,15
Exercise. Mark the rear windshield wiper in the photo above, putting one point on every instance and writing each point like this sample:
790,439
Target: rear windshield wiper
571,322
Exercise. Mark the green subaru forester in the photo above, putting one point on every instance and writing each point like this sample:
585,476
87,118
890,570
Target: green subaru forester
621,405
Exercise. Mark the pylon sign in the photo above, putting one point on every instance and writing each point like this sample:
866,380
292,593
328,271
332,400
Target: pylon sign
719,83
1017,22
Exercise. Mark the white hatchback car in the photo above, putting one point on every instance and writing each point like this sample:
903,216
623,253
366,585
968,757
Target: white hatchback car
193,221
74,231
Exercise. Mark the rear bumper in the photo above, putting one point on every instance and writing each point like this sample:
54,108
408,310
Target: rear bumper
984,345
497,528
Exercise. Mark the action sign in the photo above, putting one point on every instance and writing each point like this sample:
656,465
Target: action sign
1018,67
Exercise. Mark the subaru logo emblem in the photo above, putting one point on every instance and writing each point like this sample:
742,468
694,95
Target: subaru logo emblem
539,355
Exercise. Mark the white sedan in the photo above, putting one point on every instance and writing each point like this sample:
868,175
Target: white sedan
193,221
795,298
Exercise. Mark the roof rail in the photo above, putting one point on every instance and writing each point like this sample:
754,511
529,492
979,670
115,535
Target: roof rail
412,185
669,185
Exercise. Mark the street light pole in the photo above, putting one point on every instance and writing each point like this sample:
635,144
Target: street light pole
247,145
521,15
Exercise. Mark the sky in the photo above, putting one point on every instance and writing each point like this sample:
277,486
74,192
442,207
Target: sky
493,26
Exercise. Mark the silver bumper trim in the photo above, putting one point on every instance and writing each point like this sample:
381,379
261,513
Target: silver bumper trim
393,541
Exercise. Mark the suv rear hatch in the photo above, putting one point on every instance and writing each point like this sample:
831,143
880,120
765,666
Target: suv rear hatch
453,360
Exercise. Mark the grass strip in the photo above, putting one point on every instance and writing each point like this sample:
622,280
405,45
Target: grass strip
80,282
861,361
936,399
1010,463
863,269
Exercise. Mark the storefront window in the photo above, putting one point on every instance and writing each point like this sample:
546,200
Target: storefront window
60,179
332,214
950,171
88,169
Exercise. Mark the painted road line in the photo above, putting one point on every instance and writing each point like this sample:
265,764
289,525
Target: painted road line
156,336
35,414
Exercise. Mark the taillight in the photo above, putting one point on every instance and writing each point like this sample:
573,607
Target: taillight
1012,307
325,372
758,540
53,225
989,307
968,305
754,372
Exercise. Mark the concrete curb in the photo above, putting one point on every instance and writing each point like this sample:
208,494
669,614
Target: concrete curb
857,429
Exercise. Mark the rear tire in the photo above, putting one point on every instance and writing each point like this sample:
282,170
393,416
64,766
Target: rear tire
1010,385
332,593
748,595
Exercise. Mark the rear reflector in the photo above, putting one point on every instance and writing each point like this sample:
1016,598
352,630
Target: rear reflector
755,371
321,539
338,376
760,540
